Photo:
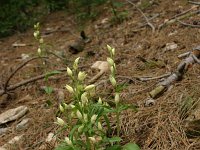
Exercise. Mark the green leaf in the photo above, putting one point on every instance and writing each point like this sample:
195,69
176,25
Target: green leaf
48,89
118,4
52,73
73,131
115,147
127,106
114,139
131,146
108,123
63,146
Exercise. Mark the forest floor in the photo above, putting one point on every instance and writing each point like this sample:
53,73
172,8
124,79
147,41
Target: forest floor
140,52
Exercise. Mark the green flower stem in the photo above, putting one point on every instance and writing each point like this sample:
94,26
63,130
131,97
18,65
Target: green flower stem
118,120
88,142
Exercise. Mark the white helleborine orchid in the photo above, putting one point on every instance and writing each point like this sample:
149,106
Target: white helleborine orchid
69,72
109,48
61,108
113,81
72,106
113,51
80,129
39,51
36,34
81,76
89,87
117,98
85,118
110,61
112,69
76,63
99,126
100,101
60,121
41,40
68,141
84,98
69,88
79,115
93,119
92,139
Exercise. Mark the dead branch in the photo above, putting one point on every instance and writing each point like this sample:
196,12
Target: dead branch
187,24
25,82
176,76
18,68
195,3
145,17
179,17
153,78
96,77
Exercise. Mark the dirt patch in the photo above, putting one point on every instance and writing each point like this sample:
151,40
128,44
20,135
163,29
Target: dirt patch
157,127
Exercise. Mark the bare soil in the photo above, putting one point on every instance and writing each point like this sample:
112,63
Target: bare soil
159,127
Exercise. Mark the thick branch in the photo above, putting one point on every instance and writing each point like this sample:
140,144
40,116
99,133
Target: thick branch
18,68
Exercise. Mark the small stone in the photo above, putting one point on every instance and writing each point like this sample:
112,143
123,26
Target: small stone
170,46
23,124
13,114
16,139
3,130
50,137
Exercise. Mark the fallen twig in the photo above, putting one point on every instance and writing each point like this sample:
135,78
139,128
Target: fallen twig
177,75
196,3
145,17
17,85
153,78
17,69
187,24
180,16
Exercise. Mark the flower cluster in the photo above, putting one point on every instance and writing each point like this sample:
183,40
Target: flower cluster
110,60
37,36
83,108
85,115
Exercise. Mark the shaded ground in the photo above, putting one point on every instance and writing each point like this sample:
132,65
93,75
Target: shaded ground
157,127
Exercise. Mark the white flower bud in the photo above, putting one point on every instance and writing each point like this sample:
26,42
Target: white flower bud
68,141
105,104
109,48
79,115
117,98
72,106
99,126
65,106
61,108
110,61
89,87
80,129
113,51
73,114
93,119
41,41
85,118
39,51
113,81
112,69
36,34
81,76
76,63
69,72
99,101
69,88
60,121
92,139
84,98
